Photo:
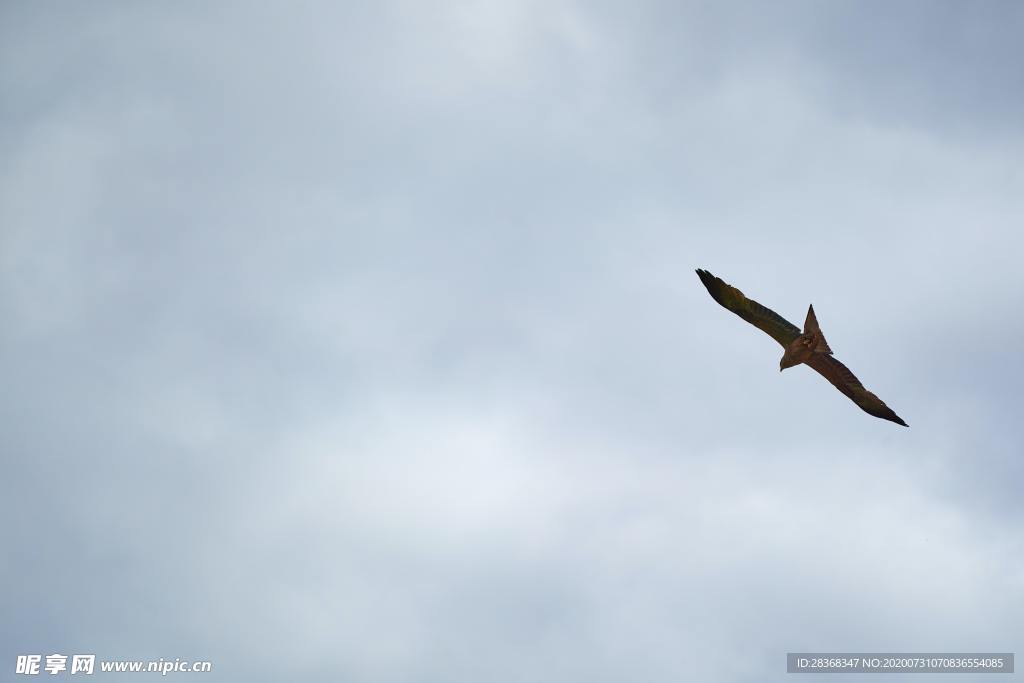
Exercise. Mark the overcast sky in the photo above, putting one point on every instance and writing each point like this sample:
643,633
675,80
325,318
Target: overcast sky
362,342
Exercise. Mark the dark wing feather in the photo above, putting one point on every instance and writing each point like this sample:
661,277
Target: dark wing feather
761,317
846,382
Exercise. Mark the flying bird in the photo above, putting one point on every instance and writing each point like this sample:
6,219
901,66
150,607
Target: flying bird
808,347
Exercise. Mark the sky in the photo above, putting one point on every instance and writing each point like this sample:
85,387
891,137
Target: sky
362,341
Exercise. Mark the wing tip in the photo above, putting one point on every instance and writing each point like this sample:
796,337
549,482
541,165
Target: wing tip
891,416
707,278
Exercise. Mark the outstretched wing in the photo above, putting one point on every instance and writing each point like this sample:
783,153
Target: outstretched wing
761,317
846,382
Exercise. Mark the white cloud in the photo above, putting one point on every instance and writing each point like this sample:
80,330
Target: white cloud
387,316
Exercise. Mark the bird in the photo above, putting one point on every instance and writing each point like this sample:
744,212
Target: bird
808,347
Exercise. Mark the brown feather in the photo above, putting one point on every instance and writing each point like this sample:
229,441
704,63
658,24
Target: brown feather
845,381
761,317
811,321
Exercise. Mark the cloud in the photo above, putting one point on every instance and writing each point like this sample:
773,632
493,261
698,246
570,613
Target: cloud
365,342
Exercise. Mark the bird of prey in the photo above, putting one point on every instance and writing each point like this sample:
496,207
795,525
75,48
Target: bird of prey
807,347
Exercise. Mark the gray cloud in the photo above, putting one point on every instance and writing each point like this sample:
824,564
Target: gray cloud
364,342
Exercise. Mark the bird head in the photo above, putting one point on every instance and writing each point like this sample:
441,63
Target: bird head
797,352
